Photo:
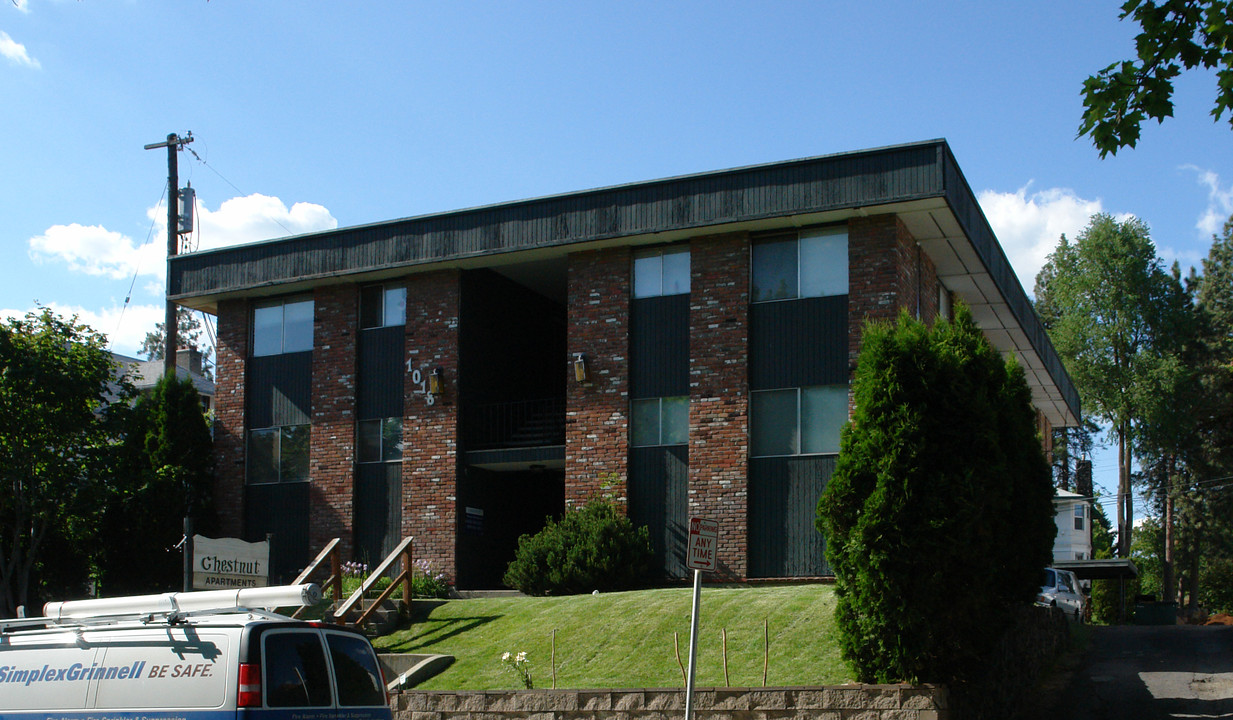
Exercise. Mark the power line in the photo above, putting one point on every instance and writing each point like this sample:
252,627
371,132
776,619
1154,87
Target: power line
233,185
136,271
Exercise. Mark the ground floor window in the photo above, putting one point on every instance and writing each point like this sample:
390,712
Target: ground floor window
278,454
797,421
380,440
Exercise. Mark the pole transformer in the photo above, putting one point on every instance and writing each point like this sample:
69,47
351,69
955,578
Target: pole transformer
173,143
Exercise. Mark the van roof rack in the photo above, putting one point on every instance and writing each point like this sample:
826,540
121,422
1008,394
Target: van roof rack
78,612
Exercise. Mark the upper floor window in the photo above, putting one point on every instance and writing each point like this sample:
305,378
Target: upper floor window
383,306
813,264
1080,516
659,421
380,440
661,272
282,326
797,421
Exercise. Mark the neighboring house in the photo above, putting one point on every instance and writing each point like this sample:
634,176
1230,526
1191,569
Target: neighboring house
144,374
1073,513
684,345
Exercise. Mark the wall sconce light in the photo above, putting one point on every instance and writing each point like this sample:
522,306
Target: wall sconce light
434,381
580,367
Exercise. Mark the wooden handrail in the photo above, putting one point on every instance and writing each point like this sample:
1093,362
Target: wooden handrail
334,581
340,615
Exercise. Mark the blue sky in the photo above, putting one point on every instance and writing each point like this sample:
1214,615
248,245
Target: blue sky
311,115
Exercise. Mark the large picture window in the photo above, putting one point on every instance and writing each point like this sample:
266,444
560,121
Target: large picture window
813,264
282,326
380,440
278,454
797,421
661,272
383,306
659,421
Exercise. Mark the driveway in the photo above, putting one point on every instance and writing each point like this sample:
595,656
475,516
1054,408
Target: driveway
1179,671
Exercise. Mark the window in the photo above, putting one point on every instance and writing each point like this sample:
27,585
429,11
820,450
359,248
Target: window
278,454
380,440
797,421
946,309
815,264
356,673
296,674
282,327
659,421
1079,516
661,272
383,306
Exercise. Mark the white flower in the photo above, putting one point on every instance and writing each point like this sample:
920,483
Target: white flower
520,658
505,657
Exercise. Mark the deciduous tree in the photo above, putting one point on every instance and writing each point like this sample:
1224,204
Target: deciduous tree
56,381
1175,35
1105,301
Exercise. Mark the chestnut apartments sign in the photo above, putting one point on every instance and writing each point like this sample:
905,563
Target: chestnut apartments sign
225,563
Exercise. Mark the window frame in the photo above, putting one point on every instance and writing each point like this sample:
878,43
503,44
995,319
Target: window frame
1080,516
798,238
660,435
797,442
257,347
658,255
277,454
399,293
361,456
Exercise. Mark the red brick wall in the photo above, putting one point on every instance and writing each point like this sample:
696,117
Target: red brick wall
883,261
332,440
229,402
430,447
597,412
719,392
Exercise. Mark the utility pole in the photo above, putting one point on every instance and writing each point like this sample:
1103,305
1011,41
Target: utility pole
170,325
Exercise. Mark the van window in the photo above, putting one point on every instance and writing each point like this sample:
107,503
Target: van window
296,674
355,670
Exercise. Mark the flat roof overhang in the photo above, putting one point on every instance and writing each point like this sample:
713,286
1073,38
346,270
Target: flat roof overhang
919,182
1115,569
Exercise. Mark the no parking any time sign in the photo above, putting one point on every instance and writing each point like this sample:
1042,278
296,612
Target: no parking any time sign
703,538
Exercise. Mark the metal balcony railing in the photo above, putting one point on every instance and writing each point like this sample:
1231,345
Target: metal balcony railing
518,424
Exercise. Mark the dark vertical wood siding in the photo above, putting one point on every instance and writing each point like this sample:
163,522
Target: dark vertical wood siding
659,346
378,510
659,499
783,500
280,389
798,343
379,391
279,509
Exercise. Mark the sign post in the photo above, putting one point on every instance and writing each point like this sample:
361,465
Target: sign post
700,555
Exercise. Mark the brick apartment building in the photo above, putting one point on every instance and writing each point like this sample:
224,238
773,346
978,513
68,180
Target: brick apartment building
685,345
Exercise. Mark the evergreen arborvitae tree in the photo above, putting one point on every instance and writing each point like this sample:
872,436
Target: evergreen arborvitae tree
167,475
939,515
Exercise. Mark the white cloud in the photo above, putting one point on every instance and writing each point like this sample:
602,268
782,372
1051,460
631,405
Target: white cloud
95,250
1219,202
1028,226
125,328
16,52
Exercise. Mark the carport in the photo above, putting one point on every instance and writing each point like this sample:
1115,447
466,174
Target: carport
1120,569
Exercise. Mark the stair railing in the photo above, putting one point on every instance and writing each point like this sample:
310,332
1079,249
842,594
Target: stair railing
403,552
334,582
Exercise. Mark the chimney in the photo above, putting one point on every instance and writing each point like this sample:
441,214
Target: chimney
189,359
1083,478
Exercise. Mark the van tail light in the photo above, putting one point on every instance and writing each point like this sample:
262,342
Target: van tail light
249,694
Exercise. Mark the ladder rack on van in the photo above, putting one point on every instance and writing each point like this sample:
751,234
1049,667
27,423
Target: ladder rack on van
110,610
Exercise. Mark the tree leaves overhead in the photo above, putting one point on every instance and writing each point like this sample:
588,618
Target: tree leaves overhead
1175,35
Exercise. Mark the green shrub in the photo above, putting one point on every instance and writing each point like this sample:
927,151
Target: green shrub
593,548
939,515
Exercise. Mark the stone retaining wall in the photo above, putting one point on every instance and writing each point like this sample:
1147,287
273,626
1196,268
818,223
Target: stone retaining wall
866,702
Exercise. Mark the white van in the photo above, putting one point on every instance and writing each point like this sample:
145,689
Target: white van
215,655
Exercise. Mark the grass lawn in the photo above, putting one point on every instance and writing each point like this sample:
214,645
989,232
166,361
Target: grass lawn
625,640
